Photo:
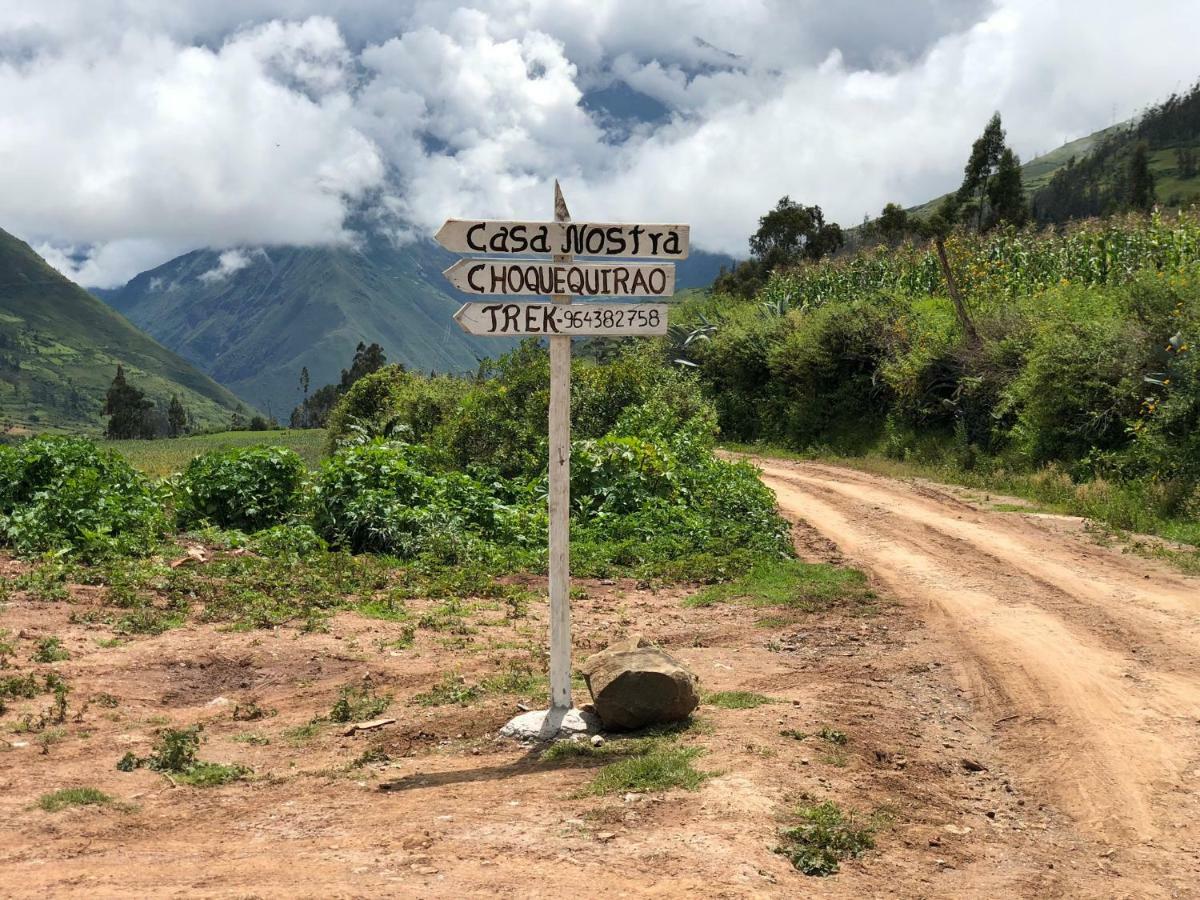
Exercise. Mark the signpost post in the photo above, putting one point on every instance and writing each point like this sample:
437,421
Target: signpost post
559,320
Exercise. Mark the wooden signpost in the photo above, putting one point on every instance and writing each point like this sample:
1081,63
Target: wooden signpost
559,278
610,319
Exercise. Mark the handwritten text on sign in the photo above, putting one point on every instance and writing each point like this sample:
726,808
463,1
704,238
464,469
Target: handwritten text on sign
561,318
574,238
531,278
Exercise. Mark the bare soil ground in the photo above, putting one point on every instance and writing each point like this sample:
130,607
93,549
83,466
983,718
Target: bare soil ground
1081,663
1021,708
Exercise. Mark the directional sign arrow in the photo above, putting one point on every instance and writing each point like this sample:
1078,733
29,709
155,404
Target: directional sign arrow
627,241
501,319
533,278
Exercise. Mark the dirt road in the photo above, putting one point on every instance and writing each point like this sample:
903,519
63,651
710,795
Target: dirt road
1082,663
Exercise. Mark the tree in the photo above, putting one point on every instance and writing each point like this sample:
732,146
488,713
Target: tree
314,410
787,235
893,225
366,360
980,168
177,417
128,410
1140,187
792,232
1006,194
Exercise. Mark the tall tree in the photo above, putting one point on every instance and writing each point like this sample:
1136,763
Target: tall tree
1006,194
366,360
981,167
176,417
1140,189
127,408
316,407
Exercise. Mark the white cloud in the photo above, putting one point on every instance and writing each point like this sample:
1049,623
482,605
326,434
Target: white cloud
131,132
229,262
150,140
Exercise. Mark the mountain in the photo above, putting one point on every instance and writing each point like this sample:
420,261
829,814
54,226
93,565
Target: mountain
253,318
60,348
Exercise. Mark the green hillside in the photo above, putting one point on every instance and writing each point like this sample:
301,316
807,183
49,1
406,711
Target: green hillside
60,347
1085,177
288,308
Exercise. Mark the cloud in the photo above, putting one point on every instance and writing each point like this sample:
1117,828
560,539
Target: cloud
187,146
229,262
134,132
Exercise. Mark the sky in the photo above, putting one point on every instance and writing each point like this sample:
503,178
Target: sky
135,130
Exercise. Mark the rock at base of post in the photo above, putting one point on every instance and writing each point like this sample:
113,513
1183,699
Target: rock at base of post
550,724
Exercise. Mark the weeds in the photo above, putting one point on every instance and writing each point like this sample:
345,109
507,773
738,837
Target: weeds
302,734
358,704
50,650
823,838
175,755
833,736
452,690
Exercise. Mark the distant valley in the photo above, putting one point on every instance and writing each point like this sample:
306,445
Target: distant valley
254,318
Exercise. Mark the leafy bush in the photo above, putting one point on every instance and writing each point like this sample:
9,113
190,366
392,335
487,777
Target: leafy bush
385,496
619,475
249,488
394,403
65,495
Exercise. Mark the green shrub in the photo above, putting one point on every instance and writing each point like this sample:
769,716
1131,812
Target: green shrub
393,403
65,495
619,475
248,488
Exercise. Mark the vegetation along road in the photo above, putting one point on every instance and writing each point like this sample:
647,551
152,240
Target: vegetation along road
1080,661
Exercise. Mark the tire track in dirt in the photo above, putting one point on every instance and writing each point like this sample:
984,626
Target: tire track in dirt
1083,663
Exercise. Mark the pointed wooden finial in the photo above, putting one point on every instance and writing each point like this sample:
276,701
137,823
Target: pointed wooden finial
561,213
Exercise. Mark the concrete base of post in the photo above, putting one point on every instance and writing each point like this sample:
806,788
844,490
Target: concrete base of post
551,724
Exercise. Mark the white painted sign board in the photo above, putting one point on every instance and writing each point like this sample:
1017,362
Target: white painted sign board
565,238
534,278
560,320
582,319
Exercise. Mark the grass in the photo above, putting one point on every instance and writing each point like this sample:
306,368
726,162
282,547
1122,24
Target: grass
454,690
658,769
738,700
171,455
302,734
209,774
67,797
823,837
791,584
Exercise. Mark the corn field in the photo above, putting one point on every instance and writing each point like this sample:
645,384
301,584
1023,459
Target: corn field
1003,263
